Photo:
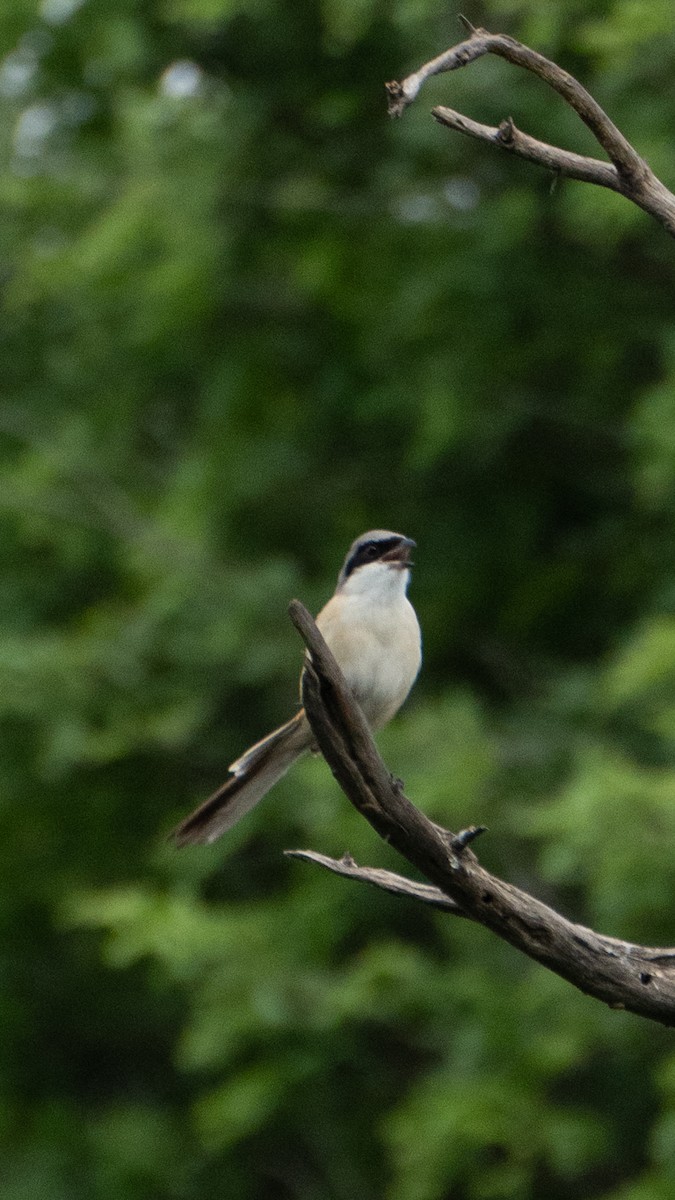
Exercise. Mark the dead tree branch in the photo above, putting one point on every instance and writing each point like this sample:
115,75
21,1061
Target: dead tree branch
626,172
621,974
396,885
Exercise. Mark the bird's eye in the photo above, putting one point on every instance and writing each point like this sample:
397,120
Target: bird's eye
371,551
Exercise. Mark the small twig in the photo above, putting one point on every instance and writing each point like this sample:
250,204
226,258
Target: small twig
626,173
396,885
507,137
461,840
466,24
622,974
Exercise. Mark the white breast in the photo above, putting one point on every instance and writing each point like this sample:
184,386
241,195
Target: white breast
371,628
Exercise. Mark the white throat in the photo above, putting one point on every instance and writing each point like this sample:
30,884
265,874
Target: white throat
377,583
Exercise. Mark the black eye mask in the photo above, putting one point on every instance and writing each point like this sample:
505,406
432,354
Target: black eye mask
369,552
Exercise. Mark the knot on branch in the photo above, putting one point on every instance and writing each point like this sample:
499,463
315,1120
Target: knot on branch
506,132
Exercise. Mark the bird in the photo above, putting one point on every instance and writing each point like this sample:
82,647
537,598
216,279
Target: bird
372,629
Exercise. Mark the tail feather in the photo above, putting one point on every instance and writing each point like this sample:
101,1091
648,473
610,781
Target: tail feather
252,777
261,751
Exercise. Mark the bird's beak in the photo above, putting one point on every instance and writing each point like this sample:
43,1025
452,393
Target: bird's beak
399,555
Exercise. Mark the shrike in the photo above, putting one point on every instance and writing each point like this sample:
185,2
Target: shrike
371,628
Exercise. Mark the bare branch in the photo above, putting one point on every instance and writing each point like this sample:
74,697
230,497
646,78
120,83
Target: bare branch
399,885
626,173
623,975
507,137
618,149
396,885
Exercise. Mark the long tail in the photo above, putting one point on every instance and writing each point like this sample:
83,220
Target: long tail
251,778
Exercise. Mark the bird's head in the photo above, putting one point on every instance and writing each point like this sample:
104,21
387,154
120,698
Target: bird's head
378,560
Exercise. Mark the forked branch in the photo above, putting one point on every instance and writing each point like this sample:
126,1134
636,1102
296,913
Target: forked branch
623,975
626,172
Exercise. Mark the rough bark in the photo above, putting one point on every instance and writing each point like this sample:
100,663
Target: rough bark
622,974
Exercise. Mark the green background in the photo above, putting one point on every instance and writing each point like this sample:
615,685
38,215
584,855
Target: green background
245,318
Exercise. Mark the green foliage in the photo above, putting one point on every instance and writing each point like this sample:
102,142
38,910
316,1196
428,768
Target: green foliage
244,319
